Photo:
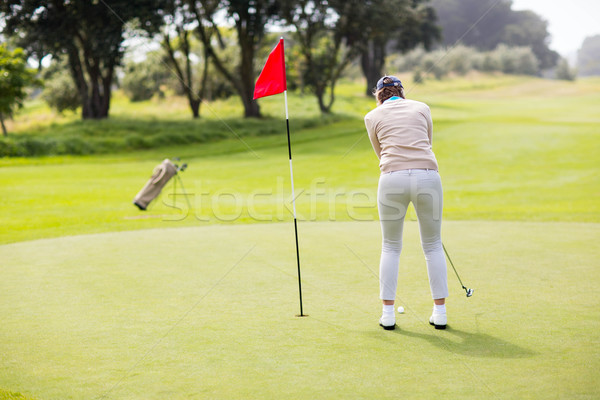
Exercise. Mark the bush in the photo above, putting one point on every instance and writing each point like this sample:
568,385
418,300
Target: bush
461,59
60,92
564,71
142,80
516,60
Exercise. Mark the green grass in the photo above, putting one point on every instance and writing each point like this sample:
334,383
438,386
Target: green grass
138,126
6,395
101,300
209,312
522,155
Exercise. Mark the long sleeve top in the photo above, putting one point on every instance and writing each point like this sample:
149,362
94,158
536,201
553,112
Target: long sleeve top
401,133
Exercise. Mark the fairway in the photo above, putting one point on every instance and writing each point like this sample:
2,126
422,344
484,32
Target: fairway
209,312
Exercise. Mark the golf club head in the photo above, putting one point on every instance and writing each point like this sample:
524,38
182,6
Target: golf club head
469,292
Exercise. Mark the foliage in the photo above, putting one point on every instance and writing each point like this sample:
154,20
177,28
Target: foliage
89,33
588,57
15,76
527,29
150,124
487,24
176,20
564,71
144,79
60,92
321,47
249,19
374,27
461,59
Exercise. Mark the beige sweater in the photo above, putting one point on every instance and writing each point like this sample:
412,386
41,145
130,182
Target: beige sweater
401,135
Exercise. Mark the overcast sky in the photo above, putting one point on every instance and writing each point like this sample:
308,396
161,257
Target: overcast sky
569,22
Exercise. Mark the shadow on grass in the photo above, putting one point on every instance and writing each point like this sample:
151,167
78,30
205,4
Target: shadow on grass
470,344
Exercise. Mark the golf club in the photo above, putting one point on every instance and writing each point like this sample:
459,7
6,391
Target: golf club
469,291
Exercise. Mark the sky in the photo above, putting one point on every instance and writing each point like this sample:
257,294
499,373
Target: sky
569,22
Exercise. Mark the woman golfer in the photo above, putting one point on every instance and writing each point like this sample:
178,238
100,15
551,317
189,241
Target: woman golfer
400,131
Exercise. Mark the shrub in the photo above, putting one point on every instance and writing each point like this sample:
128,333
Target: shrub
60,93
462,59
564,71
142,80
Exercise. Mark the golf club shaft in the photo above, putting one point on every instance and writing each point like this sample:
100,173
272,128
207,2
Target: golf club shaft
452,264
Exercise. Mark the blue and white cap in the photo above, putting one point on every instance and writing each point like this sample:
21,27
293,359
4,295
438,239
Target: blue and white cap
395,82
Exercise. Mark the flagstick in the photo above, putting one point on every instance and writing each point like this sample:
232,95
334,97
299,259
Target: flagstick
287,122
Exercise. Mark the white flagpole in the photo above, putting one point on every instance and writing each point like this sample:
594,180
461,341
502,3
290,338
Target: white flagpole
287,122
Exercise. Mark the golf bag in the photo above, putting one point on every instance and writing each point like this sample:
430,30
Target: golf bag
160,176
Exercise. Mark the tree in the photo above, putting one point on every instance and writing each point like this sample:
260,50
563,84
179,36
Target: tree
529,29
249,17
588,56
321,44
484,24
177,19
372,27
477,23
14,78
89,33
564,71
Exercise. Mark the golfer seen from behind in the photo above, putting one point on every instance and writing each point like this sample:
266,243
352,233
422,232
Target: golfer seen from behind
401,131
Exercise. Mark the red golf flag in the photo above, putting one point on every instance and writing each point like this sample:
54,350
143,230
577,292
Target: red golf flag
272,77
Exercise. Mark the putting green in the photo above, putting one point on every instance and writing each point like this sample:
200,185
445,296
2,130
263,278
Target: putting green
209,312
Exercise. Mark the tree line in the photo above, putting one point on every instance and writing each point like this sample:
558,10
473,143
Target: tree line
328,36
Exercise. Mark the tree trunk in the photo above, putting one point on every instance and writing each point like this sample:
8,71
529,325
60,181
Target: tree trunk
185,79
251,107
372,61
320,93
195,106
95,103
4,132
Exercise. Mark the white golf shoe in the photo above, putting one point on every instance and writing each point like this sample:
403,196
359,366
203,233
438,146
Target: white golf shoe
439,321
388,322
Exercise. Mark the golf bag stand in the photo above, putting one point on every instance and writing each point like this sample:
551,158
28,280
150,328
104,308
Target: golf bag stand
160,176
178,177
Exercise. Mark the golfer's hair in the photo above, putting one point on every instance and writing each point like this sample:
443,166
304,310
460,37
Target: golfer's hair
385,93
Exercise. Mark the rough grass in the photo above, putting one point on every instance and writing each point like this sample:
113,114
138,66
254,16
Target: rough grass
138,126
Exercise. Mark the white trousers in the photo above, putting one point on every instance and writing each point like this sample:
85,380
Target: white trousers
396,191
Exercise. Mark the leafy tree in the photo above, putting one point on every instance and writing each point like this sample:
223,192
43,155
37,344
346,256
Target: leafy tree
176,41
588,56
249,18
14,78
321,44
529,29
372,27
89,33
484,24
